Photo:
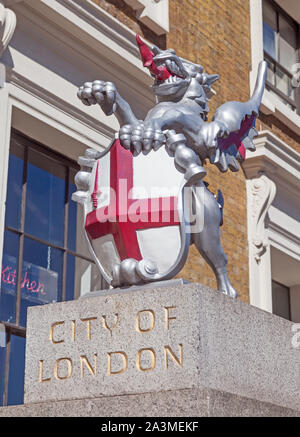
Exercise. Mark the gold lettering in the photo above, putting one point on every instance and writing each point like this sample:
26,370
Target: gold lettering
41,379
84,360
125,363
167,350
168,318
51,333
138,321
73,329
69,367
153,360
88,320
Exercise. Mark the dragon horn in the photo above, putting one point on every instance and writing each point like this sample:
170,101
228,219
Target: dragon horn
146,54
211,78
147,57
156,50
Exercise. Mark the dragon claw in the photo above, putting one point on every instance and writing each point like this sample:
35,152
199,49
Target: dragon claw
140,138
103,93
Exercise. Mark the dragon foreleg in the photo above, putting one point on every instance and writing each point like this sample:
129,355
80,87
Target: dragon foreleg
185,159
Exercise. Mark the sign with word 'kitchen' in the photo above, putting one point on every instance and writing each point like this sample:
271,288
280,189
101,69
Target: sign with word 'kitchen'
38,284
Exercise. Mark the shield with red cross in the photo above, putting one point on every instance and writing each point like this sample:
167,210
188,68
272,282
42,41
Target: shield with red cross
134,210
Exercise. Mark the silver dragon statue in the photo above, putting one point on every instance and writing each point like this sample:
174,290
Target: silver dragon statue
178,122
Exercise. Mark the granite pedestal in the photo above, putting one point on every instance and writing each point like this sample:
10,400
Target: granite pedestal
174,351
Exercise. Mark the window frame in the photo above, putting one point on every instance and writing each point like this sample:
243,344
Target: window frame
15,328
295,104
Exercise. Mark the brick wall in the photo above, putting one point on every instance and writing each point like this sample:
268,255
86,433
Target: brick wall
216,34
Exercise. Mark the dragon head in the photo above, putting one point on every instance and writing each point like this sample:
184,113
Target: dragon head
176,77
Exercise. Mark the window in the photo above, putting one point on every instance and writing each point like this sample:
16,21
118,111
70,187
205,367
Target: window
281,300
280,38
285,274
45,255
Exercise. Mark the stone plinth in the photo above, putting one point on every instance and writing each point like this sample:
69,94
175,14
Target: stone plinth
170,342
198,402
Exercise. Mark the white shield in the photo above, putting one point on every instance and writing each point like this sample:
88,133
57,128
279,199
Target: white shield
133,210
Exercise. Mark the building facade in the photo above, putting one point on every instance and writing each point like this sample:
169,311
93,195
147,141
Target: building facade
50,48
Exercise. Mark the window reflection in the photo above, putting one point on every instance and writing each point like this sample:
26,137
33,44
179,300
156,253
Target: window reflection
269,40
42,276
45,198
269,29
14,186
2,360
16,370
280,40
9,277
287,43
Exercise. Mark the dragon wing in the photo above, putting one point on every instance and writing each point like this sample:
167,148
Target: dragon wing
239,119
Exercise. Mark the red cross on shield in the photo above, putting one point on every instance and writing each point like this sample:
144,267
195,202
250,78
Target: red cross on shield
133,208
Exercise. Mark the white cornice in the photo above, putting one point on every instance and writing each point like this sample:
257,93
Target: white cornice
60,104
279,232
153,13
275,158
78,34
95,33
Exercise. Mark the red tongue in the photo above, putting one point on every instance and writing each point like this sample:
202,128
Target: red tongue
146,54
147,57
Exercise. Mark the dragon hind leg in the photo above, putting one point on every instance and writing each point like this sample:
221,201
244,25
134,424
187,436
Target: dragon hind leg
207,238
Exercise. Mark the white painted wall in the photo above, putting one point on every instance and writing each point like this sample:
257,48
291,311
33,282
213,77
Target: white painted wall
273,206
273,199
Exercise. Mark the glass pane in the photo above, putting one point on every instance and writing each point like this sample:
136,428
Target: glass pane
283,83
9,277
269,41
16,370
14,186
2,360
70,285
82,277
41,276
269,15
270,72
45,198
269,29
281,300
287,43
